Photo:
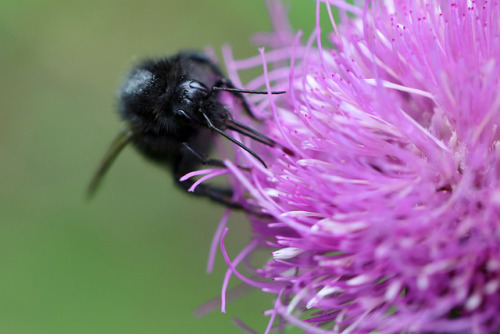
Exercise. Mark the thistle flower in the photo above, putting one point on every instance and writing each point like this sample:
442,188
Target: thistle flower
387,216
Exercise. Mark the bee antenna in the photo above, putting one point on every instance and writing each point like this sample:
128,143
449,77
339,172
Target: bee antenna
222,133
249,91
256,135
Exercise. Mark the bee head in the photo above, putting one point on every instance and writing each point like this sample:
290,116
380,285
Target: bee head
194,101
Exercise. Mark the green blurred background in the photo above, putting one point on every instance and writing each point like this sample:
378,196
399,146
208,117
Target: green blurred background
132,260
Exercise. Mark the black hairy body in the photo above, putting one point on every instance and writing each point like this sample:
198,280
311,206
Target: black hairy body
172,111
150,101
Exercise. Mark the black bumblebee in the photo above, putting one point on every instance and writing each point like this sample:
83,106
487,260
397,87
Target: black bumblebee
171,108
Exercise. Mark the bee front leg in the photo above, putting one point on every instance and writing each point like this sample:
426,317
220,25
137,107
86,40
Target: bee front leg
206,161
224,196
218,194
201,158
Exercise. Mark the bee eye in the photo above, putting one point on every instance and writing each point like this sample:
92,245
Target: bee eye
197,85
191,88
183,114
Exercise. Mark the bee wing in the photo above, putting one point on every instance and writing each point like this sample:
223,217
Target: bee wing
123,138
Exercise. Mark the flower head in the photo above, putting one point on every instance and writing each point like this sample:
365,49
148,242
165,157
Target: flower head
387,216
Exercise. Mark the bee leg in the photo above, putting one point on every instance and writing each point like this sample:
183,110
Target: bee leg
224,196
185,163
220,195
203,160
208,162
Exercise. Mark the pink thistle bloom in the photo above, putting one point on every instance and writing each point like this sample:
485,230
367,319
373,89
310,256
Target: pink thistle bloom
387,216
